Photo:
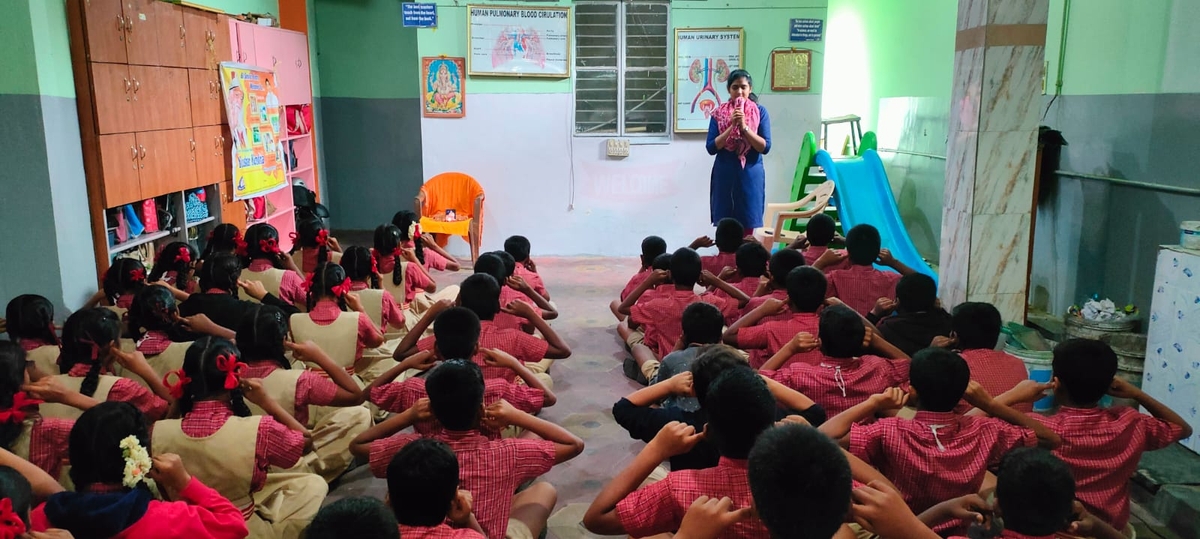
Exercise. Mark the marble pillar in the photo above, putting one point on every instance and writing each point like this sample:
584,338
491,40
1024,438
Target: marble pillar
992,150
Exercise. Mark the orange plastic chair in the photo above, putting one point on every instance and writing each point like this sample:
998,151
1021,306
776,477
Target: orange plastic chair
452,191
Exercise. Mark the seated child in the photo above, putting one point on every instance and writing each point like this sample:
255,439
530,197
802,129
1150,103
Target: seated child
861,285
428,251
518,247
937,455
919,319
24,432
806,296
403,274
701,324
479,296
846,374
424,495
105,505
228,448
496,264
266,263
518,288
90,347
740,407
662,314
490,469
161,334
220,281
176,267
365,282
976,331
225,239
122,280
799,497
1104,445
637,335
751,260
652,247
782,263
335,320
729,237
262,339
313,245
29,320
354,517
819,233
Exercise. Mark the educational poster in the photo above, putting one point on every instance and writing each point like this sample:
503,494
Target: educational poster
442,86
254,114
519,41
704,58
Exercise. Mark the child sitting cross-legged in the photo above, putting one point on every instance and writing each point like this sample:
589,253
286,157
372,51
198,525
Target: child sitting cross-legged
976,332
936,455
501,266
423,492
751,265
861,285
806,296
728,238
855,364
428,252
701,324
818,234
652,247
919,320
518,247
490,469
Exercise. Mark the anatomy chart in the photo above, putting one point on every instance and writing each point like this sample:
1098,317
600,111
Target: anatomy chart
519,41
704,58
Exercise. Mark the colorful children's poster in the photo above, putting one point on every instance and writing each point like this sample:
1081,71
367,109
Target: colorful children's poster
519,41
254,115
442,85
704,58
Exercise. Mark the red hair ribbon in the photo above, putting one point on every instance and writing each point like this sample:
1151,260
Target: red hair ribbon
374,264
184,256
308,282
232,368
240,250
269,246
11,525
181,382
323,238
294,237
416,235
340,290
137,275
16,412
95,347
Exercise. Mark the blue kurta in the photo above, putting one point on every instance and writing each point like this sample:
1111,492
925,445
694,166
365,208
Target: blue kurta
738,192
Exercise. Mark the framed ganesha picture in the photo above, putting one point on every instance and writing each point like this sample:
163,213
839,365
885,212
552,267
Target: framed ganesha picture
443,87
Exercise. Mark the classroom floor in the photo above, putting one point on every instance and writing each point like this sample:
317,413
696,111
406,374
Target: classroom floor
587,385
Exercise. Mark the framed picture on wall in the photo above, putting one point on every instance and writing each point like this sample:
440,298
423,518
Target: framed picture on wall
791,70
519,41
704,58
443,87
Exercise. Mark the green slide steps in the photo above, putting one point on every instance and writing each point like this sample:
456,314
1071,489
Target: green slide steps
804,181
869,142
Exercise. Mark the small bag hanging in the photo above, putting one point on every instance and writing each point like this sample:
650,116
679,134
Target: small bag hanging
131,219
150,215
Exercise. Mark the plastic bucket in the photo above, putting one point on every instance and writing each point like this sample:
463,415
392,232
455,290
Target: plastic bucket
1040,368
1189,234
1131,360
1079,328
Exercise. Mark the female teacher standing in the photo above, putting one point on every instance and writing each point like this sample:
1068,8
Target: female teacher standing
739,134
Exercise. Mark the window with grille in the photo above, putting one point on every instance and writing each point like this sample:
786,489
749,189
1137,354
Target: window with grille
621,68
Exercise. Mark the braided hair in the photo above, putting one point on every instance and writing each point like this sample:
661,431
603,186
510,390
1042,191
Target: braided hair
124,276
262,243
94,445
30,316
221,272
404,220
208,381
224,239
387,243
308,234
179,257
87,336
323,280
261,334
12,375
154,309
360,265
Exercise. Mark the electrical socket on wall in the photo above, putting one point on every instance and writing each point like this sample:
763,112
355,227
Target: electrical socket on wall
618,147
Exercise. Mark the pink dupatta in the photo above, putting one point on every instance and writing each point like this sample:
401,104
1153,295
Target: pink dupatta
736,142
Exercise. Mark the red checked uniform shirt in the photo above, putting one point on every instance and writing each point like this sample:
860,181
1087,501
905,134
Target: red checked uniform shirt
276,445
441,531
839,384
48,445
327,311
508,295
757,301
153,343
398,397
715,263
767,338
312,388
634,282
861,286
997,372
291,285
662,316
659,507
391,312
126,390
532,278
491,470
415,280
813,252
1103,446
521,345
936,456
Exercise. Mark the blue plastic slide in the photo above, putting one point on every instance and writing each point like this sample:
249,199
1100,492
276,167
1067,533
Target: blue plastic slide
862,194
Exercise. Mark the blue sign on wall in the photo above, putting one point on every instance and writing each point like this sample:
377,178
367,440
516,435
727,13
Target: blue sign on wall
806,29
419,14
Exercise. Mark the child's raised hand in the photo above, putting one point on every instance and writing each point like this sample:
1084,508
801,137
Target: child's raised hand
681,384
421,361
976,395
410,255
48,389
708,279
200,323
708,518
422,410
1122,389
307,351
773,306
676,438
1030,391
883,306
804,342
499,415
461,508
168,472
493,357
886,258
892,398
353,302
519,308
829,258
252,390
793,419
529,265
1083,523
868,334
658,277
52,533
518,282
881,510
134,362
254,289
440,306
942,341
333,244
702,242
727,273
969,508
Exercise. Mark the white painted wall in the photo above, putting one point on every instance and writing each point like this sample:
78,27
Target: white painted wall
521,149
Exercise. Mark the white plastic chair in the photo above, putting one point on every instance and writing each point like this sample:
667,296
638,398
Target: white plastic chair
773,232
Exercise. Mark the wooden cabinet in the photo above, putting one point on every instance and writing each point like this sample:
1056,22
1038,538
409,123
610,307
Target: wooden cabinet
221,50
112,90
119,159
141,31
197,27
212,152
106,31
167,161
242,41
205,95
286,53
160,98
172,35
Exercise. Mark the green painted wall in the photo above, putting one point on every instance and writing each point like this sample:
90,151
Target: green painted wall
363,51
18,71
237,7
887,48
765,21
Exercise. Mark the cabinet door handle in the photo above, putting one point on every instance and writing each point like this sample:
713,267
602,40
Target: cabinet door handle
129,29
137,85
142,156
274,61
298,64
182,32
193,143
128,86
120,27
134,153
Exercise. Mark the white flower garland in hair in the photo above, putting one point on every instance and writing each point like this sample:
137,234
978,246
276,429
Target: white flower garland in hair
137,464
